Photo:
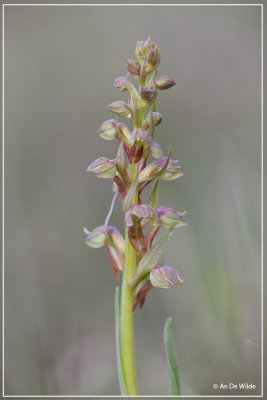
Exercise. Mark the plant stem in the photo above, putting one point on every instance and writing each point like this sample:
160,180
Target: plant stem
127,322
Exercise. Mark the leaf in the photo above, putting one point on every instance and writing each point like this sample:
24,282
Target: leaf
118,349
153,199
150,259
127,202
173,369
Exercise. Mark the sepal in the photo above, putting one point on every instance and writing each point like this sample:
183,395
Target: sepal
165,277
170,217
120,107
103,167
120,83
108,129
157,118
164,82
132,66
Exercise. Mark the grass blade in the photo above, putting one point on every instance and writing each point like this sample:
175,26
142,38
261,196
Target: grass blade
118,347
173,369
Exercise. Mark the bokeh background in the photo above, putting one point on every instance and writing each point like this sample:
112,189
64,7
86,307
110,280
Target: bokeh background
60,63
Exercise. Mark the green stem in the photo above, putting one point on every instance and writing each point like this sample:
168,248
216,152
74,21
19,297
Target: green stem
127,322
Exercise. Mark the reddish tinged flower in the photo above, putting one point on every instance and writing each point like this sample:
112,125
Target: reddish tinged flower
170,217
147,54
142,136
138,212
164,82
132,219
121,108
165,277
157,118
120,83
108,129
132,66
173,170
112,239
156,168
103,167
146,93
140,51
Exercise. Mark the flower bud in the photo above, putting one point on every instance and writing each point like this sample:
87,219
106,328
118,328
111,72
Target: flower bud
155,149
120,83
173,170
132,66
157,118
142,136
126,135
165,277
153,45
146,93
108,129
170,217
120,108
140,51
152,56
164,82
103,167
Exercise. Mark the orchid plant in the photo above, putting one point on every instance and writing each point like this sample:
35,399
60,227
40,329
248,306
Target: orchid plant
137,255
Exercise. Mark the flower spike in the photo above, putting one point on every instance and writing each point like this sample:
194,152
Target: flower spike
138,161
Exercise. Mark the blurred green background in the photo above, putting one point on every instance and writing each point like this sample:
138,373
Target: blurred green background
60,63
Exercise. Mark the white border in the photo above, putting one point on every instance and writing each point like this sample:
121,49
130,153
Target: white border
3,187
132,4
